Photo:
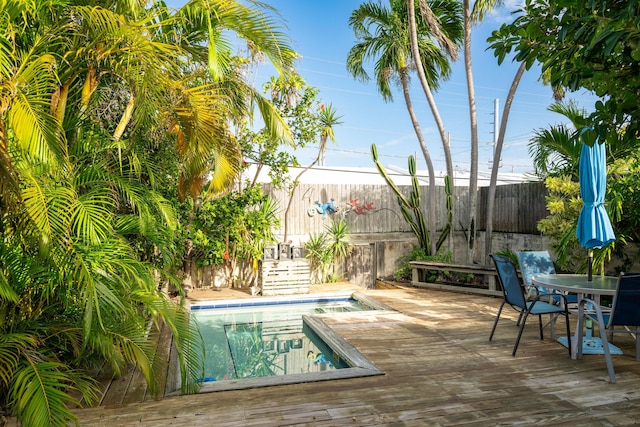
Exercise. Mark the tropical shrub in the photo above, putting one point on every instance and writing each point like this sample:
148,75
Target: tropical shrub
232,228
105,119
324,249
419,253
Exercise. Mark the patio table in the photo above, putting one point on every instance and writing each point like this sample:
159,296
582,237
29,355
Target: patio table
580,285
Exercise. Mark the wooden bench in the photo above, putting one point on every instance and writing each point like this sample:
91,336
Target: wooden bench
484,270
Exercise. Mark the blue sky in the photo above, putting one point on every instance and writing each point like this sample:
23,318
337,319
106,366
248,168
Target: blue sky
320,32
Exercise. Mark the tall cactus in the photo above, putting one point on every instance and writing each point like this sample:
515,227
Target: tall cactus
410,207
448,189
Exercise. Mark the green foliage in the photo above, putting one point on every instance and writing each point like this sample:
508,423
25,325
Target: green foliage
324,249
320,259
236,226
583,44
556,153
338,235
509,254
298,105
564,205
421,254
382,34
107,119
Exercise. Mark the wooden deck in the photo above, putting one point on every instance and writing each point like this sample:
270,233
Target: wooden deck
440,369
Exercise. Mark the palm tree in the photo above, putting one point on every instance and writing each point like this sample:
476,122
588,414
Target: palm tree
446,43
488,240
471,17
207,26
556,150
385,36
88,97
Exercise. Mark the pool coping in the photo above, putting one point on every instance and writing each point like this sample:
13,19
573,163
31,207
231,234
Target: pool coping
360,366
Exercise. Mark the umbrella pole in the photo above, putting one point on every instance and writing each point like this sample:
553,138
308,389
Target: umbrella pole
589,333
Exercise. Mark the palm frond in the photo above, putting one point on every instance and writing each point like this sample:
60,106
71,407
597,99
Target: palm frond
50,209
92,217
277,128
253,24
188,341
38,393
11,347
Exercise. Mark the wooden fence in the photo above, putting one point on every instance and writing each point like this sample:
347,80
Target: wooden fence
374,208
517,209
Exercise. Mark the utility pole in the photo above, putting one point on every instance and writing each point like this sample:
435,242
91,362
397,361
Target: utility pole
496,129
496,116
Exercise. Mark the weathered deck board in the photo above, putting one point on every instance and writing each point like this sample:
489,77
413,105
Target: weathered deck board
440,369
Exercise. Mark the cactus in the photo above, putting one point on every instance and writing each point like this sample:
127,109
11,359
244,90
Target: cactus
448,189
409,207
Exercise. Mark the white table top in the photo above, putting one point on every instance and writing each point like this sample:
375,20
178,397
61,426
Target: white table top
578,283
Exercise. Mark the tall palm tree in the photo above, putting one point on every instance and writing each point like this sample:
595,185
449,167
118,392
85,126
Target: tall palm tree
556,150
491,197
385,38
473,15
449,46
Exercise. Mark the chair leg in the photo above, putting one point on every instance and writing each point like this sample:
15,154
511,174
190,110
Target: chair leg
519,318
605,346
540,326
524,321
495,323
552,325
552,322
566,316
637,344
580,340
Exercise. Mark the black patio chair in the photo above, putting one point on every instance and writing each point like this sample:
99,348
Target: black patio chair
514,295
625,312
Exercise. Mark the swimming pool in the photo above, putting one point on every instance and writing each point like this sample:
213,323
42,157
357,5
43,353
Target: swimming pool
250,342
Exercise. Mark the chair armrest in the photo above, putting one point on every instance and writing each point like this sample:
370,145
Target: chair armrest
529,290
598,312
550,296
542,297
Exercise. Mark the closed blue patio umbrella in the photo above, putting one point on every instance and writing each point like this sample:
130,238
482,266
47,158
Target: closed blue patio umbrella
594,227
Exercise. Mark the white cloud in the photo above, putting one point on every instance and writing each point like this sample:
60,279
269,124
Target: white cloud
504,13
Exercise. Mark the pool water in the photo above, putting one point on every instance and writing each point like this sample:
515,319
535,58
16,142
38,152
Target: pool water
266,339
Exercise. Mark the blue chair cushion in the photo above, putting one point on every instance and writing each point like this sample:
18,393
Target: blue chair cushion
541,307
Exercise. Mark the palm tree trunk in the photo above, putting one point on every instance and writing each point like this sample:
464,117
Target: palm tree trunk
446,147
415,51
124,120
59,101
89,86
473,172
427,158
496,160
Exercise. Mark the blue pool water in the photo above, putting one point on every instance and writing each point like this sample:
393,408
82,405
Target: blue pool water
258,338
